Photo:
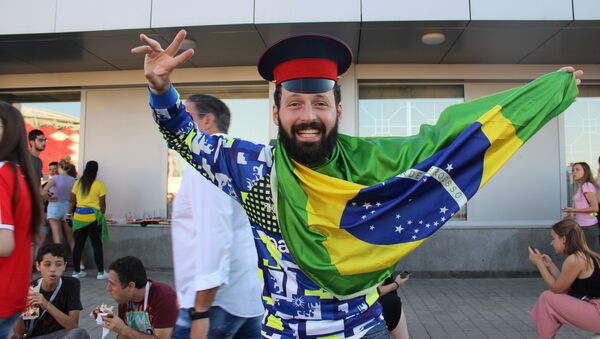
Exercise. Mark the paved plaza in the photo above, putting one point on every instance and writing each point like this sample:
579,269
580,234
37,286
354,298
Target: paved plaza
435,308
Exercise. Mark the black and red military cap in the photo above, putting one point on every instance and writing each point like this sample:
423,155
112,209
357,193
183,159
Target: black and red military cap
305,63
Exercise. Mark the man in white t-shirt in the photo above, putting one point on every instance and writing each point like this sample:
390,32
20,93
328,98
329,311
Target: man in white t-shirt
215,261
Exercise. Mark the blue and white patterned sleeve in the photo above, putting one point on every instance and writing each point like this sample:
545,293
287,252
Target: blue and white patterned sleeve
233,165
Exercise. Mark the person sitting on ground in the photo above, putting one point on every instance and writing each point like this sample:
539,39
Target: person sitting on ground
392,306
147,308
574,295
57,297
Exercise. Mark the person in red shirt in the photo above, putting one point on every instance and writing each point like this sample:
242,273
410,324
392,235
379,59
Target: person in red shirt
20,215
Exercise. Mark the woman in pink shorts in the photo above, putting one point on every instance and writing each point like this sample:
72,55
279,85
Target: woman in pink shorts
573,297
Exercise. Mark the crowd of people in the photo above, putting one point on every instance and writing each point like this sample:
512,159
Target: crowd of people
263,223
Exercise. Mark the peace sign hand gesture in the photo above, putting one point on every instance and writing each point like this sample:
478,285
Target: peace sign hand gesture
159,63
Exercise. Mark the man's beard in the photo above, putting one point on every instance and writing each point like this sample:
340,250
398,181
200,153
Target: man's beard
309,153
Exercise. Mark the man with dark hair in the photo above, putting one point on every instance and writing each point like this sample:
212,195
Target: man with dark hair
56,296
147,308
53,168
37,143
333,214
213,251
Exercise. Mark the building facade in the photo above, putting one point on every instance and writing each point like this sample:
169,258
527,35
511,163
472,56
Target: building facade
73,51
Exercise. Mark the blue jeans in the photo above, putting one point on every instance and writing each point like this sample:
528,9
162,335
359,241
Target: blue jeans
6,325
222,325
380,331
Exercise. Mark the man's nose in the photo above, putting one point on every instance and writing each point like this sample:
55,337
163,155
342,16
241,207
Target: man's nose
308,113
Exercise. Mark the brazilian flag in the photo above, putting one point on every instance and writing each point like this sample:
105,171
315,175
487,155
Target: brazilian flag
349,221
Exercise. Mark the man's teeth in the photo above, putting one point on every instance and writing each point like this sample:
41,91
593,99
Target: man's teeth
309,131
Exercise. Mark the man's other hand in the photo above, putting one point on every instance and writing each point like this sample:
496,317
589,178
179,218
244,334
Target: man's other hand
571,69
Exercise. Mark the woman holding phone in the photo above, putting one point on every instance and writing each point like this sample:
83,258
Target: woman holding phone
573,297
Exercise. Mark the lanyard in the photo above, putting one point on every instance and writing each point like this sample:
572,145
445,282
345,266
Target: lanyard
146,293
34,322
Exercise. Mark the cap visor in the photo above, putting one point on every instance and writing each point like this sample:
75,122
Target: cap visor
311,85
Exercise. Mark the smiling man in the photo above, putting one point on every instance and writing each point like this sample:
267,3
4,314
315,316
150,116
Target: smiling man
332,214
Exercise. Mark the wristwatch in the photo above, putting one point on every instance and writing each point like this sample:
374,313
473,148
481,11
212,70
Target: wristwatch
197,315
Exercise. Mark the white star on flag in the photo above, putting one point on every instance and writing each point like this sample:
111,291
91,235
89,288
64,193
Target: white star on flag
364,217
378,204
372,227
427,225
420,222
366,205
397,216
443,219
409,222
443,210
416,230
353,204
399,229
373,212
414,237
435,223
449,167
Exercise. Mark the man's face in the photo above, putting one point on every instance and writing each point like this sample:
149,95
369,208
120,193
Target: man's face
39,144
113,287
308,124
51,267
53,169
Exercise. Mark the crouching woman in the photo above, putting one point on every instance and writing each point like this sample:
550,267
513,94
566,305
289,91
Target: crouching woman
573,297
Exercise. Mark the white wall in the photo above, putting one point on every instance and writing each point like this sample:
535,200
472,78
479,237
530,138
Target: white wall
276,11
119,133
181,13
91,15
423,10
527,189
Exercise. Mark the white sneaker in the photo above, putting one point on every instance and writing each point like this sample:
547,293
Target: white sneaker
79,275
102,276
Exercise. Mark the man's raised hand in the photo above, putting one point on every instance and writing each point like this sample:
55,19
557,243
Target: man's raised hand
159,63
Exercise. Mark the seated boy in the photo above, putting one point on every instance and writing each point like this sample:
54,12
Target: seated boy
57,299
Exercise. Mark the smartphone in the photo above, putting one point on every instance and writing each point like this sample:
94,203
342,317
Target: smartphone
404,274
534,249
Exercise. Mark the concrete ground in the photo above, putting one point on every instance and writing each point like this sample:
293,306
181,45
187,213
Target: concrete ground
435,308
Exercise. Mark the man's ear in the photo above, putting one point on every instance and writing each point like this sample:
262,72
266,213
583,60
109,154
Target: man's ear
275,115
131,286
37,266
209,120
340,112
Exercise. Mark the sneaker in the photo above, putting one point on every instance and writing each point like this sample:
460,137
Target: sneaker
102,276
79,275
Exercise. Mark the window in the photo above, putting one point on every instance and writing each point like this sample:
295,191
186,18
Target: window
57,114
386,109
582,132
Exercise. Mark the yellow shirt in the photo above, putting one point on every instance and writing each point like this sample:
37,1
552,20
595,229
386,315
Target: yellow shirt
92,199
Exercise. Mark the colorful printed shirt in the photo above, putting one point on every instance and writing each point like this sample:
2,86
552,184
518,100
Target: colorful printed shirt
294,305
